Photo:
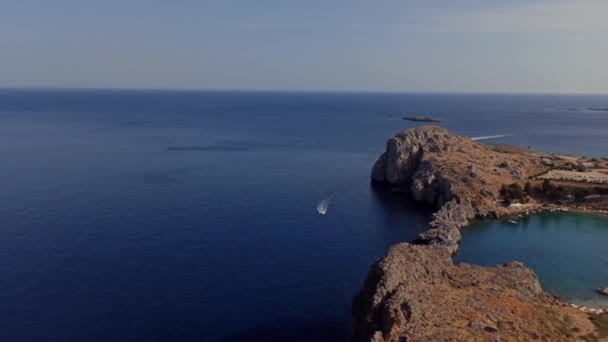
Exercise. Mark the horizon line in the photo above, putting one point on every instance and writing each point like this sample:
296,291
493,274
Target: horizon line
276,90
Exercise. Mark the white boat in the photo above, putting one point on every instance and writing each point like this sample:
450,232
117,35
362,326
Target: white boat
512,222
322,206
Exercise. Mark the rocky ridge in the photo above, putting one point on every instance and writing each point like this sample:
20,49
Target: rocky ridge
459,176
416,293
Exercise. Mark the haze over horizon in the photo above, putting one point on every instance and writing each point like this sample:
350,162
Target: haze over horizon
403,46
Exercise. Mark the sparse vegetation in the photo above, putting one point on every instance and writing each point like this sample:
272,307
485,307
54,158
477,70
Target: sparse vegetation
580,193
528,188
601,328
512,193
601,323
553,192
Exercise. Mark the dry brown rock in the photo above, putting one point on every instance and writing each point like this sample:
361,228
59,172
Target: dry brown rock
454,173
435,166
416,293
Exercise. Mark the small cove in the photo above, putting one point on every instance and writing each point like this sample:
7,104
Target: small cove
568,251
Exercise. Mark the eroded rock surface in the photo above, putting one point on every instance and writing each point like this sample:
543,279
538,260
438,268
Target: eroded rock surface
459,176
416,293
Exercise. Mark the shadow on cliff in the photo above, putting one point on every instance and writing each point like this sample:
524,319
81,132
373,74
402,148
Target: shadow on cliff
396,201
402,212
293,329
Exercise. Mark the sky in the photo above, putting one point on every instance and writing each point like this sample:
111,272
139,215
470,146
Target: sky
537,46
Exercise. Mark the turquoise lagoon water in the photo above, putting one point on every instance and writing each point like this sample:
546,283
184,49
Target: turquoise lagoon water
568,251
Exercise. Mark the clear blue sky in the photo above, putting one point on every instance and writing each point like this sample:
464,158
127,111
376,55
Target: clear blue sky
390,45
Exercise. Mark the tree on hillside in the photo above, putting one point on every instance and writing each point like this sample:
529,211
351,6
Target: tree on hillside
528,188
517,192
553,192
511,193
580,194
547,187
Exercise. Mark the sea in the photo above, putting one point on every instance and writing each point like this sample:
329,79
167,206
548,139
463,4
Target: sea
160,215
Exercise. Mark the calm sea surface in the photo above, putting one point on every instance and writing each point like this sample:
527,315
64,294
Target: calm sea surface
191,216
569,252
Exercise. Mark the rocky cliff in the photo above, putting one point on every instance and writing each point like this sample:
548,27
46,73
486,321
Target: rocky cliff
459,176
416,293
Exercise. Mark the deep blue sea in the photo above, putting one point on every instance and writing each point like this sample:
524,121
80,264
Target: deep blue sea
191,216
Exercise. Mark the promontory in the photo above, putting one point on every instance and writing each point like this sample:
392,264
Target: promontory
417,293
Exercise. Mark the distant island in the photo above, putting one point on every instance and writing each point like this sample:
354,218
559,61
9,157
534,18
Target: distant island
417,293
596,109
421,119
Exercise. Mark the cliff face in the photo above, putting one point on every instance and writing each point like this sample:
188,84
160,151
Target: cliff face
404,165
459,176
416,293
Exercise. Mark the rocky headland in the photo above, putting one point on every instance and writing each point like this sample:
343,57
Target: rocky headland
416,293
460,177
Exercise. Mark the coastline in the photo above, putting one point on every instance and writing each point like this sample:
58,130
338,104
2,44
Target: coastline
584,305
591,301
461,178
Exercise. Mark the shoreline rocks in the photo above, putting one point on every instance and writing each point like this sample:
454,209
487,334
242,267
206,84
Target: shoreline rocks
434,166
415,292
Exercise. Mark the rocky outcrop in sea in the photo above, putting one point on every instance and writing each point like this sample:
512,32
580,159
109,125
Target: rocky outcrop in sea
456,174
421,119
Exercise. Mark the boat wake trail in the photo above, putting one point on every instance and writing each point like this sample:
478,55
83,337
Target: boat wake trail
492,137
342,188
323,206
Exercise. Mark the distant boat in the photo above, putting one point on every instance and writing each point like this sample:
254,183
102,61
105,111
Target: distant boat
323,206
512,222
